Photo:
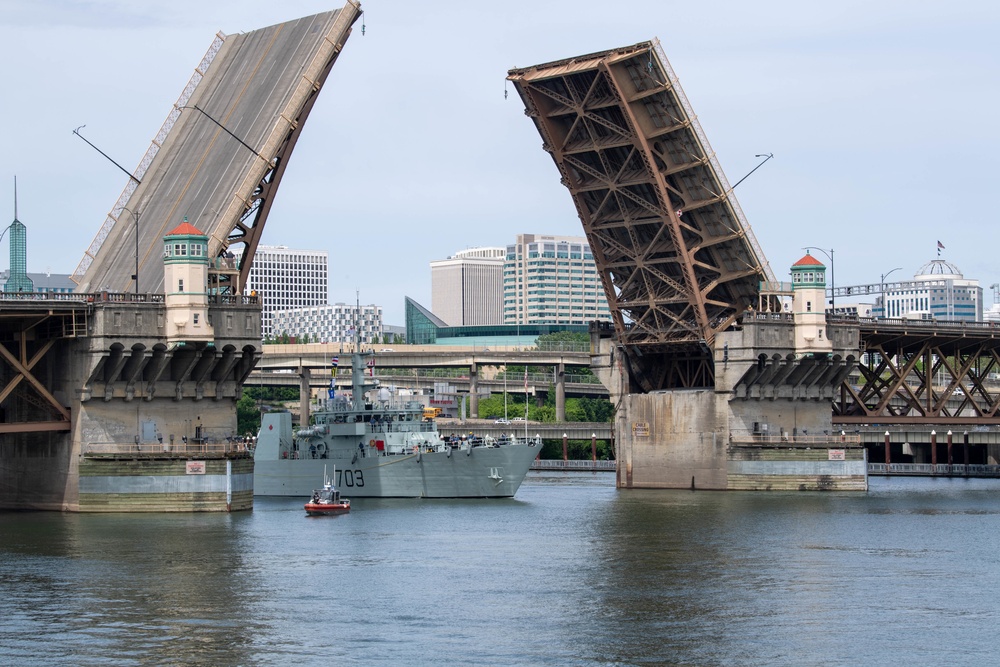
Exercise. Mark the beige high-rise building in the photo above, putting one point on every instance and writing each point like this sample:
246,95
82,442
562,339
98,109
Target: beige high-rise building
552,280
467,288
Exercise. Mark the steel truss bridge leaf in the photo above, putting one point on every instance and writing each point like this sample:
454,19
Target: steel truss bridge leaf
677,258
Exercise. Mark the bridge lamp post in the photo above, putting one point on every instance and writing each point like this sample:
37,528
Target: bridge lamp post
833,279
227,131
881,283
135,277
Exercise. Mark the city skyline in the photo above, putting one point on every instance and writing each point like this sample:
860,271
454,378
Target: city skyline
838,94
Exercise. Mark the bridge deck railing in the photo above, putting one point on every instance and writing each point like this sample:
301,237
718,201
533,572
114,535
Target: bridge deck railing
796,440
181,449
584,464
955,469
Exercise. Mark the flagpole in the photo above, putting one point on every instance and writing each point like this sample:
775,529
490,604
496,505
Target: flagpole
525,403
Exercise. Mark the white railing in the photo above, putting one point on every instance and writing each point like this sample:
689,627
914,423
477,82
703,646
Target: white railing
176,449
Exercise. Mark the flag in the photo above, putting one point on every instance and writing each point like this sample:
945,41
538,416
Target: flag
940,246
333,384
335,361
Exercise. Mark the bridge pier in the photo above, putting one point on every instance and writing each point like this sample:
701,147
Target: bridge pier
305,394
561,392
473,391
766,424
137,412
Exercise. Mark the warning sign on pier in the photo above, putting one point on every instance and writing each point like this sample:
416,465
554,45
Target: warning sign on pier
196,467
835,455
640,429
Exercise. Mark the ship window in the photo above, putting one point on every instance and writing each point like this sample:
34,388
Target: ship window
180,284
809,306
196,322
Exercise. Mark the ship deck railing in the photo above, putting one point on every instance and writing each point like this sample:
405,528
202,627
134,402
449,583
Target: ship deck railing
167,450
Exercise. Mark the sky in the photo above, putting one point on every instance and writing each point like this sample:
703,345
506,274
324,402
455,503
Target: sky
881,115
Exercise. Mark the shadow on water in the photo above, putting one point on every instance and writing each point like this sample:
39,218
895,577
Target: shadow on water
123,589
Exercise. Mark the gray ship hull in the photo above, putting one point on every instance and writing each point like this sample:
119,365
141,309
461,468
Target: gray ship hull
480,472
403,459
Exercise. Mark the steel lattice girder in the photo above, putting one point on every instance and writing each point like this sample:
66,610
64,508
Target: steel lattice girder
924,374
677,258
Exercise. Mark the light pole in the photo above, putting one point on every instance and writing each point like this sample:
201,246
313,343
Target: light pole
881,286
766,156
227,131
135,277
833,280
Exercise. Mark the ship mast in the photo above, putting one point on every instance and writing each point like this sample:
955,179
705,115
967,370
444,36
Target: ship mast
358,361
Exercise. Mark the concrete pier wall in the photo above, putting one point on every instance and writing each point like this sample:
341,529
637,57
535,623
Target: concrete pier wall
123,386
165,485
691,438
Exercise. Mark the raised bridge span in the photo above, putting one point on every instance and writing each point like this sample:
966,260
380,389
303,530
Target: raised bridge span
220,155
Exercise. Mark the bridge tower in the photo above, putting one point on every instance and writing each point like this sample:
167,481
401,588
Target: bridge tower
696,310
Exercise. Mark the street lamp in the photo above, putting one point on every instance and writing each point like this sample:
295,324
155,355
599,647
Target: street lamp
135,277
833,280
766,156
881,284
227,131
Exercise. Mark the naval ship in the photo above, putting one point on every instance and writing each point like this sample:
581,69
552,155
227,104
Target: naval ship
384,448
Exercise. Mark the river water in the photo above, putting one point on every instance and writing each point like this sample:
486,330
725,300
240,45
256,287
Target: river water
570,572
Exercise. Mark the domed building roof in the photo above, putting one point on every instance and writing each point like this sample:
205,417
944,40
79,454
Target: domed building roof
808,260
938,268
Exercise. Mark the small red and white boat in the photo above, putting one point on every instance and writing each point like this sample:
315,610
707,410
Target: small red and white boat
327,501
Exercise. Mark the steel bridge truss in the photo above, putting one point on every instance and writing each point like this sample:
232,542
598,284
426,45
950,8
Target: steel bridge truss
677,258
932,374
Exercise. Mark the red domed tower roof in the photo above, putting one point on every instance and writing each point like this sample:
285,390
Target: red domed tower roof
808,260
186,229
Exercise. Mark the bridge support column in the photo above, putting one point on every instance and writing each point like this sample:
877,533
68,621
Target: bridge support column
304,395
561,392
473,392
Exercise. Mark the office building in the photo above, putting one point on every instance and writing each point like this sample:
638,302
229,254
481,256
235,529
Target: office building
287,279
467,288
938,291
44,282
552,280
334,323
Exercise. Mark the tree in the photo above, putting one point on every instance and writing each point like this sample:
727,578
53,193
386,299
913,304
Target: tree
247,415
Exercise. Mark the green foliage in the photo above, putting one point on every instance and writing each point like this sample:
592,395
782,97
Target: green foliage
247,415
577,409
271,394
564,337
